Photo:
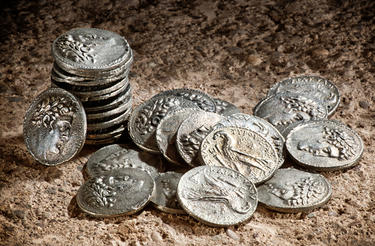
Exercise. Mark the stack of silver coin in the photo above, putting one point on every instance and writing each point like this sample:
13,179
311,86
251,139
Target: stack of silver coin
93,65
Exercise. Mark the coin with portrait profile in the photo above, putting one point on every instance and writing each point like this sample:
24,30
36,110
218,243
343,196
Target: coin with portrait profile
55,127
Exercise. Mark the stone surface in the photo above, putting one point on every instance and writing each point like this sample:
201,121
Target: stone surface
188,44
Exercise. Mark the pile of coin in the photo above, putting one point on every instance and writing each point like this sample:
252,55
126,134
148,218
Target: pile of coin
93,65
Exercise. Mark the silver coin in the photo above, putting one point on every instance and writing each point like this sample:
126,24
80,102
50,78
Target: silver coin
84,97
217,196
284,109
117,156
291,191
120,108
324,145
166,133
90,49
201,99
191,133
146,117
119,192
259,125
165,198
225,108
310,86
242,150
96,124
55,127
100,136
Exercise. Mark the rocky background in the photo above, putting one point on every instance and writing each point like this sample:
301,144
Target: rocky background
234,50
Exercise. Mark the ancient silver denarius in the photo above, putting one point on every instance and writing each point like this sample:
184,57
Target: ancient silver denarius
55,127
118,192
191,133
324,145
217,196
310,86
165,198
291,191
242,150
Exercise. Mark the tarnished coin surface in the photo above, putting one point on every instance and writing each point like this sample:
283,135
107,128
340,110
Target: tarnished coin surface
324,145
166,134
115,156
310,86
242,150
165,198
225,108
191,133
291,191
118,192
284,109
201,99
217,196
259,125
146,117
55,127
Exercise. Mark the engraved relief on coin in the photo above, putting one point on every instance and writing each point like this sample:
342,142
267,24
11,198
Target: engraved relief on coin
166,133
117,156
291,191
242,150
259,125
225,108
284,109
324,145
165,198
310,86
191,133
118,192
217,196
146,117
55,127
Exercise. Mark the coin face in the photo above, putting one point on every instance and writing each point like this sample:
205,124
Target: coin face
225,108
217,196
115,156
191,133
165,198
242,150
260,126
55,127
284,109
310,86
146,117
291,191
118,192
324,145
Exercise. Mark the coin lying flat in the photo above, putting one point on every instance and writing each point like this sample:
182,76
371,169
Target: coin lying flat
115,156
55,127
291,191
284,109
225,108
217,196
259,125
310,86
242,150
165,198
191,133
324,145
118,192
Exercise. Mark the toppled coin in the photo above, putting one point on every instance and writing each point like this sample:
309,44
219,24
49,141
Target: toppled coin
242,150
310,86
115,156
324,145
217,196
291,191
225,108
165,198
118,192
55,127
191,133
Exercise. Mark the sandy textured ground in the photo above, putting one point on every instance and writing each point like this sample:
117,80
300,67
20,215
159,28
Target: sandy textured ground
234,50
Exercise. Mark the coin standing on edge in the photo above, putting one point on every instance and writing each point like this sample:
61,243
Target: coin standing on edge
291,191
217,196
55,127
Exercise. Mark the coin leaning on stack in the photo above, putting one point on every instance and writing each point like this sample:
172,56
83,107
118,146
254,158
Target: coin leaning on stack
93,65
